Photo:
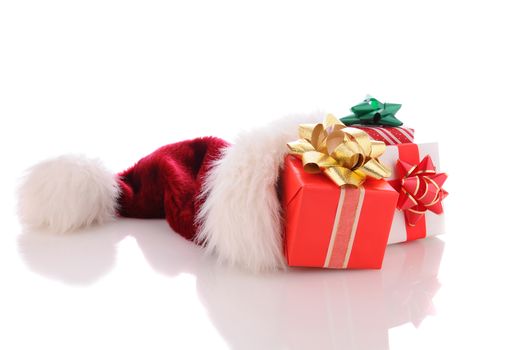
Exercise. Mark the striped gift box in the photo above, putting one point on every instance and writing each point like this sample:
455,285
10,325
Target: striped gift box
387,134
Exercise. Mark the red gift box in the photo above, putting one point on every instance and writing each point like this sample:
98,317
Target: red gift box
335,227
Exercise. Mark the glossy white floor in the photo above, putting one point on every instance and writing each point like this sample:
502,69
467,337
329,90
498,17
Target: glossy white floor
119,79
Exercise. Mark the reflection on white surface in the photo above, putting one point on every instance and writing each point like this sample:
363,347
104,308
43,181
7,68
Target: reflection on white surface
297,309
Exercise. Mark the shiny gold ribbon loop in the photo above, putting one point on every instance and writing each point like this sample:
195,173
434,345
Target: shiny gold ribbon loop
300,147
314,160
346,155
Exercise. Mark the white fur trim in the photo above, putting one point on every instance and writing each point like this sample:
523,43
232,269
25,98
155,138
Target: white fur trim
66,193
240,219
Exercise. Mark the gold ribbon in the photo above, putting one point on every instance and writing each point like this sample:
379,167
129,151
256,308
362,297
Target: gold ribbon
346,155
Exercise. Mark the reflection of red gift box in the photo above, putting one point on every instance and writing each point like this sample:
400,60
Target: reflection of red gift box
431,224
334,227
367,306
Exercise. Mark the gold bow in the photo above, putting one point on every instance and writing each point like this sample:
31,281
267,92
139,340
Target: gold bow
346,155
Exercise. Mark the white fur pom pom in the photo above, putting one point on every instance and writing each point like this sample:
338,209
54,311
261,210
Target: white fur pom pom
240,220
66,193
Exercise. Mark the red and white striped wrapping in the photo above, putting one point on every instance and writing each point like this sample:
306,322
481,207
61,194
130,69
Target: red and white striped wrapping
434,224
387,134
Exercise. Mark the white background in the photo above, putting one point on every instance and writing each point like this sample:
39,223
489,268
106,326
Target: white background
117,79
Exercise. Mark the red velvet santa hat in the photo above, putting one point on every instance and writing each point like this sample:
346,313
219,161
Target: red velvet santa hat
219,195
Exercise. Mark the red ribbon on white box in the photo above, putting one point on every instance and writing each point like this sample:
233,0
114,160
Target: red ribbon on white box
432,224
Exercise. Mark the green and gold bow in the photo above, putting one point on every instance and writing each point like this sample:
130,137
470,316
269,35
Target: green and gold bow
346,155
373,112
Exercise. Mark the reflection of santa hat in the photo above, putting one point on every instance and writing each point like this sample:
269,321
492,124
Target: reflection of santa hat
220,195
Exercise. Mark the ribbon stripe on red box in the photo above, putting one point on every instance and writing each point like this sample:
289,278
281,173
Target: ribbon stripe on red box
344,227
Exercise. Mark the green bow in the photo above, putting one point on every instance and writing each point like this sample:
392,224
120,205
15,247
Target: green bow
372,112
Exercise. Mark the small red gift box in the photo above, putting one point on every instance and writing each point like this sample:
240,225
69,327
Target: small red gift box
335,227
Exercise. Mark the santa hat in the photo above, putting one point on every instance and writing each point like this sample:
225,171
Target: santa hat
222,196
